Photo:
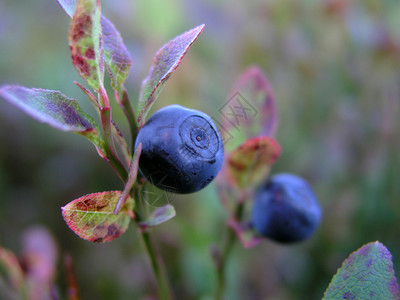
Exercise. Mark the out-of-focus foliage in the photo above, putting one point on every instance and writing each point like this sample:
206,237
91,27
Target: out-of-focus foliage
366,273
334,67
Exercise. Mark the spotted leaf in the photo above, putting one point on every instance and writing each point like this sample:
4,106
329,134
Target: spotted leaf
366,274
86,42
116,55
91,216
249,164
166,60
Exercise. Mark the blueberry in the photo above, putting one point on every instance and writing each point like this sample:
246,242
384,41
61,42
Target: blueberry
285,209
182,150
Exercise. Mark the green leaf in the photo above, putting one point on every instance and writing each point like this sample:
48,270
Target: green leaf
159,216
166,60
116,55
86,42
366,274
91,216
251,109
54,109
249,164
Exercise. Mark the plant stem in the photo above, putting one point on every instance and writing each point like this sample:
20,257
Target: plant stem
164,291
115,163
123,101
73,293
230,238
109,147
221,266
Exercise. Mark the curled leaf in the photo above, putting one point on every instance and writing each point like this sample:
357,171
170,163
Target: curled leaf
159,216
166,60
366,274
250,163
91,216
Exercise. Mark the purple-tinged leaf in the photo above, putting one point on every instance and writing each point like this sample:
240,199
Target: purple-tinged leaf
12,281
69,6
245,233
166,60
91,216
366,274
116,55
250,163
86,42
133,170
54,109
50,107
159,216
39,256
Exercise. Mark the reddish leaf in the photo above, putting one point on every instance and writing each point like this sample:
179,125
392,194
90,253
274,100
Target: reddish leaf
86,42
251,109
116,54
249,164
91,216
166,60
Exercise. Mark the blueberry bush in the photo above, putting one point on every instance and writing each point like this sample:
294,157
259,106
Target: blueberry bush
272,234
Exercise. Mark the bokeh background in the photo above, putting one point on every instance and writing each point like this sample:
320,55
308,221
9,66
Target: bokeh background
335,69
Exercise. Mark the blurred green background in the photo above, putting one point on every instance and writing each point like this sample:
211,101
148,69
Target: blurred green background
335,70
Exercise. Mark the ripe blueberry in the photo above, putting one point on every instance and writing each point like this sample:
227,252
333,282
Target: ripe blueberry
182,150
285,209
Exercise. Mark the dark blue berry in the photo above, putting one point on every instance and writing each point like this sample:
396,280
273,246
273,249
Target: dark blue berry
285,209
182,150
